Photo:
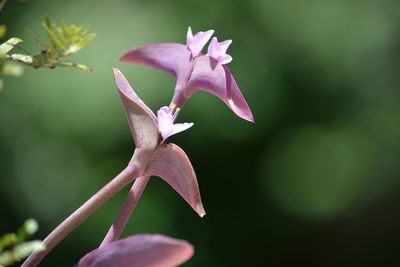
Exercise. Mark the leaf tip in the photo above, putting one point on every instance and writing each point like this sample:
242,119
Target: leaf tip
251,118
117,72
200,210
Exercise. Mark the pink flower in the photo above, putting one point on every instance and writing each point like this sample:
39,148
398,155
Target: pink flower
193,73
197,42
218,50
166,126
141,250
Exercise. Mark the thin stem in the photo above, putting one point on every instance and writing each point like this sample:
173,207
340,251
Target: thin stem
129,205
70,223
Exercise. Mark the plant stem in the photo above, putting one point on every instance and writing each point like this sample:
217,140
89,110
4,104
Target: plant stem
70,223
129,205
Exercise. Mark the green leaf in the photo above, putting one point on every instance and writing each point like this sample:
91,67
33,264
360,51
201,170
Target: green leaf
48,26
20,252
29,227
9,45
11,68
26,59
7,240
66,39
17,248
63,41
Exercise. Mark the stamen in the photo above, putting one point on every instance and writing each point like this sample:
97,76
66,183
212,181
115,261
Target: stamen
175,114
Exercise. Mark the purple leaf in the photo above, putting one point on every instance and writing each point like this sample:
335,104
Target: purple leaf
194,71
172,164
212,77
142,121
173,58
142,250
167,161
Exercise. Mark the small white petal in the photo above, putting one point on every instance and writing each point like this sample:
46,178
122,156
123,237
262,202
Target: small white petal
217,50
225,59
165,123
197,42
166,126
225,45
213,49
189,36
180,127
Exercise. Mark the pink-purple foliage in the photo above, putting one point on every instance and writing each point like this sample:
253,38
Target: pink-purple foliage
153,156
194,71
142,250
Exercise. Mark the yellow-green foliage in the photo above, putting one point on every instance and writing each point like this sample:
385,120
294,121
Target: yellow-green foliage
63,41
14,247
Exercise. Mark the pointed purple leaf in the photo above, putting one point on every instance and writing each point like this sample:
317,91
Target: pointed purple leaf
142,250
142,121
173,58
172,164
212,77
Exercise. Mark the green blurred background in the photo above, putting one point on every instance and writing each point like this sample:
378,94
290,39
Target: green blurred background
314,182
